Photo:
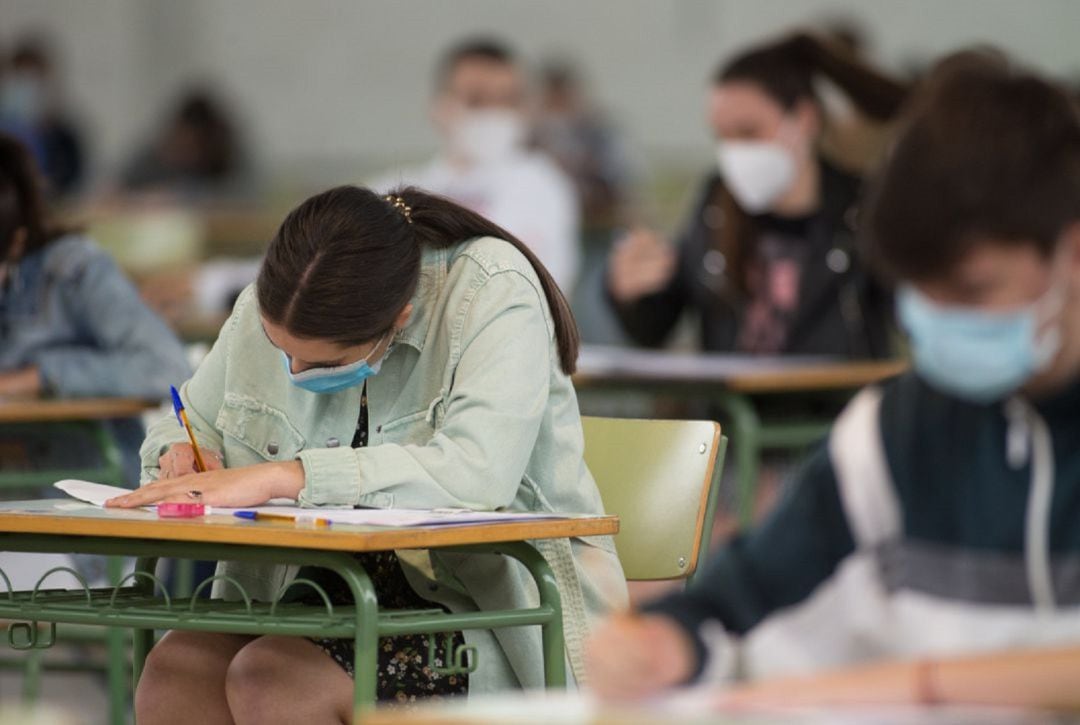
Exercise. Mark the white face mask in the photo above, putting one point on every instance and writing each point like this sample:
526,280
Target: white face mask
485,137
756,172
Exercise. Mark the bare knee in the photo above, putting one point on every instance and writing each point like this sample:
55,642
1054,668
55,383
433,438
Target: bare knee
255,671
281,679
184,668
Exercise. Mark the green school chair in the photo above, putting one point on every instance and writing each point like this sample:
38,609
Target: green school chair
662,479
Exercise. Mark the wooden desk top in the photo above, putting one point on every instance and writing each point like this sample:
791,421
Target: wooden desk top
600,367
67,517
54,410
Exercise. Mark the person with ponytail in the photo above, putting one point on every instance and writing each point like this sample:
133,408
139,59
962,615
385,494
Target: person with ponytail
926,553
395,351
767,257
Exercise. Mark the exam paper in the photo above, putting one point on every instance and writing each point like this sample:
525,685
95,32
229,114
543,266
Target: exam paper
98,493
95,493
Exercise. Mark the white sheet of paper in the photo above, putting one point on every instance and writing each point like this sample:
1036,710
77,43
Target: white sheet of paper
95,493
98,493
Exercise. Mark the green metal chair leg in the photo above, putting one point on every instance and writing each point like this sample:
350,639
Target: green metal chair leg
746,439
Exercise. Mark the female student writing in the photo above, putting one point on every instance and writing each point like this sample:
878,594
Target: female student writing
394,351
71,324
940,521
767,257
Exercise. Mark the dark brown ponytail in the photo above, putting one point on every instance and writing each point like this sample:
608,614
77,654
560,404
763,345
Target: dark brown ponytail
346,261
785,71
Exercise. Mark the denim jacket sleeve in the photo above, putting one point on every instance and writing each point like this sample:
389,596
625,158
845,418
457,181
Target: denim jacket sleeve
493,411
133,352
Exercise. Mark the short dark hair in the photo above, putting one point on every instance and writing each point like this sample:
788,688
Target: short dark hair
986,152
477,48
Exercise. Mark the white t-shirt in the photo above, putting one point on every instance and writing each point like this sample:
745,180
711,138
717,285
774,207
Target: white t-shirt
526,194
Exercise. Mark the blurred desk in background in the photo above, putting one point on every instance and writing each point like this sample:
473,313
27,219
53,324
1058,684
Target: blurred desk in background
736,385
26,420
54,410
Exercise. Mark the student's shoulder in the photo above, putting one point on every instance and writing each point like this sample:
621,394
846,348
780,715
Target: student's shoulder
70,255
910,405
245,313
490,256
495,274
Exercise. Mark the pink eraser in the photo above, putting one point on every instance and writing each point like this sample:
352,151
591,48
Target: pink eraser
180,510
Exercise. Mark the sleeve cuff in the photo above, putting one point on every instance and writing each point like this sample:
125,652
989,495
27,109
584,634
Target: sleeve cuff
331,477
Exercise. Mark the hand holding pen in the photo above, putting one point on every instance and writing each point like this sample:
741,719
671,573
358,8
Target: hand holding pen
180,459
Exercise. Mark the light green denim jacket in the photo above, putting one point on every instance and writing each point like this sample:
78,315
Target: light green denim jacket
470,408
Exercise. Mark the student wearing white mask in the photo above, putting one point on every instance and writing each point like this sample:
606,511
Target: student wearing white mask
767,257
481,111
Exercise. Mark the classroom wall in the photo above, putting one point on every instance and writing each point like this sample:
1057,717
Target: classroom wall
329,86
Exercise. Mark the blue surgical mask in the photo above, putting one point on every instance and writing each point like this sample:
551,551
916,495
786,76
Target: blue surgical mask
978,355
335,379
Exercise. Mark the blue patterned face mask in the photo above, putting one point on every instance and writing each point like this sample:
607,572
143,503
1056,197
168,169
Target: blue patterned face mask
975,354
335,379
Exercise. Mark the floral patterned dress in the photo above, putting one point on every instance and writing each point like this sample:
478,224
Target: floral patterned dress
405,674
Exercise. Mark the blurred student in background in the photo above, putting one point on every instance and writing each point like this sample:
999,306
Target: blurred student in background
196,155
481,110
584,144
71,324
767,256
31,109
940,520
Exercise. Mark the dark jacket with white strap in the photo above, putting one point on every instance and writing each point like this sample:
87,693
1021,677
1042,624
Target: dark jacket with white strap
927,526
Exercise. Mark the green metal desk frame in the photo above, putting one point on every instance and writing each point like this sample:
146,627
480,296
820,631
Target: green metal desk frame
140,603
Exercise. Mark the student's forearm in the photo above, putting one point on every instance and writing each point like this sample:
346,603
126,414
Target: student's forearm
1045,679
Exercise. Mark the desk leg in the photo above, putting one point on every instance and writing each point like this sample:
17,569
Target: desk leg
366,642
551,633
141,639
746,440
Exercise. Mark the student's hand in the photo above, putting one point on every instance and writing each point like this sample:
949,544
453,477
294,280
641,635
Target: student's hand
179,460
633,655
24,382
233,487
641,264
